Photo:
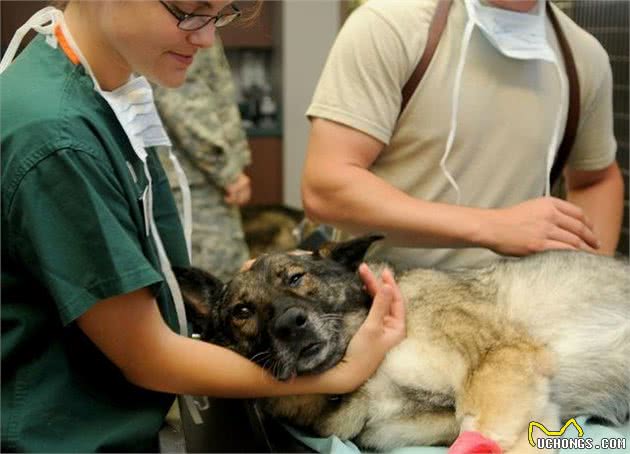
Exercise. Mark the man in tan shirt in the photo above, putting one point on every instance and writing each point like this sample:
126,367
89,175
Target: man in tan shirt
367,170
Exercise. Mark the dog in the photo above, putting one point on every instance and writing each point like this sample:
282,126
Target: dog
269,228
543,338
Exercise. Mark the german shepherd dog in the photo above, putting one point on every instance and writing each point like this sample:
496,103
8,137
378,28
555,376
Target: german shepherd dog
544,338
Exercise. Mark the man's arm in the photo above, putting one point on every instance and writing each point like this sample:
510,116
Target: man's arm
339,189
600,195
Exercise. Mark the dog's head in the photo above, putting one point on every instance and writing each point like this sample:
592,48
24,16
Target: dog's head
292,314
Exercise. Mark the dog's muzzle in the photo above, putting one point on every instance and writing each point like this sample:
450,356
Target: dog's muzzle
298,343
294,327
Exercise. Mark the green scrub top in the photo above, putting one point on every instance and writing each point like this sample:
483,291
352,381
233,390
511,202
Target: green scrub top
73,234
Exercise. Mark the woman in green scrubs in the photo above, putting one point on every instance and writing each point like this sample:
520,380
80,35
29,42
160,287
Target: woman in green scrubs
91,357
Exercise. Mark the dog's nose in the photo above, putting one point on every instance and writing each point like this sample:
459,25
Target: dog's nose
291,323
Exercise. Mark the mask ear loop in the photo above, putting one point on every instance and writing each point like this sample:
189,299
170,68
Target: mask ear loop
455,106
185,399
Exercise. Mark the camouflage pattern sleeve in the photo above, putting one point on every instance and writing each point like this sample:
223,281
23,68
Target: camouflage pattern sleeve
221,81
203,120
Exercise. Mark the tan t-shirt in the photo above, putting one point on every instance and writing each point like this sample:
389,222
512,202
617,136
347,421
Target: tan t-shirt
507,112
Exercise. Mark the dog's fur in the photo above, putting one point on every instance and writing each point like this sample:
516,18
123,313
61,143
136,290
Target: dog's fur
544,338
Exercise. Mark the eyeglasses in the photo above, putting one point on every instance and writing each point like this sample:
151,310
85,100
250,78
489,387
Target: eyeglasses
191,22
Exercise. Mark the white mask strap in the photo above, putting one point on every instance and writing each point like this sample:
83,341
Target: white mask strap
186,200
171,281
38,23
178,300
147,197
557,133
455,106
541,5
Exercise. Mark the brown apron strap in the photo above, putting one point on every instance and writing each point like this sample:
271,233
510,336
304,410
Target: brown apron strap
573,114
437,26
438,23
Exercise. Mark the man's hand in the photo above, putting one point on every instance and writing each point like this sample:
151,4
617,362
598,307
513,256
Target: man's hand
239,192
383,329
537,225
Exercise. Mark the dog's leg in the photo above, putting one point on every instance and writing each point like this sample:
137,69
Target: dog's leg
548,417
430,428
507,390
346,420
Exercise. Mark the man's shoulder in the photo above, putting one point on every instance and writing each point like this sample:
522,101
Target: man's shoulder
400,7
586,48
591,59
393,26
401,15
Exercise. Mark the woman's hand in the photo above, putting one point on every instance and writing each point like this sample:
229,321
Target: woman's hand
239,192
383,329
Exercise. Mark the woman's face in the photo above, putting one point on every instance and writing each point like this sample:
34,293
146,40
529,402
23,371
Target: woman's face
145,37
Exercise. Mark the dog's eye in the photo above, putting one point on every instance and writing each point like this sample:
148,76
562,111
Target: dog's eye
242,311
295,279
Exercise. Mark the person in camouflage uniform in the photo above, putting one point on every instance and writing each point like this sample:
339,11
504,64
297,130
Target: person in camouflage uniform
204,124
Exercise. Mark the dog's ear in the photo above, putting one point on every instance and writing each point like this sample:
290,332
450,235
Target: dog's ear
199,290
348,253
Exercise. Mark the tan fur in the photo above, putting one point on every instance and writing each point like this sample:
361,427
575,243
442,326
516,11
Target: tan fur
466,341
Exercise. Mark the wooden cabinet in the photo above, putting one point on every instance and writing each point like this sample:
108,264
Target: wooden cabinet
14,14
260,34
265,170
251,32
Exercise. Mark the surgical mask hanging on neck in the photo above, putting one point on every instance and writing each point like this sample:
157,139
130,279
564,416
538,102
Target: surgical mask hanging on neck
134,106
515,35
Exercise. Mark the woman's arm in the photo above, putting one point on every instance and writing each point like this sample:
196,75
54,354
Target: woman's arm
130,331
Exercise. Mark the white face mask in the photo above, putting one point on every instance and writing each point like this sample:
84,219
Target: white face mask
515,35
135,110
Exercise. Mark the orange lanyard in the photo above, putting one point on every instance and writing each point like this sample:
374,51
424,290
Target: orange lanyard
61,39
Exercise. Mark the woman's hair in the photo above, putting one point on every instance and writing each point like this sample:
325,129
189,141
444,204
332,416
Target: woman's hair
250,9
59,4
